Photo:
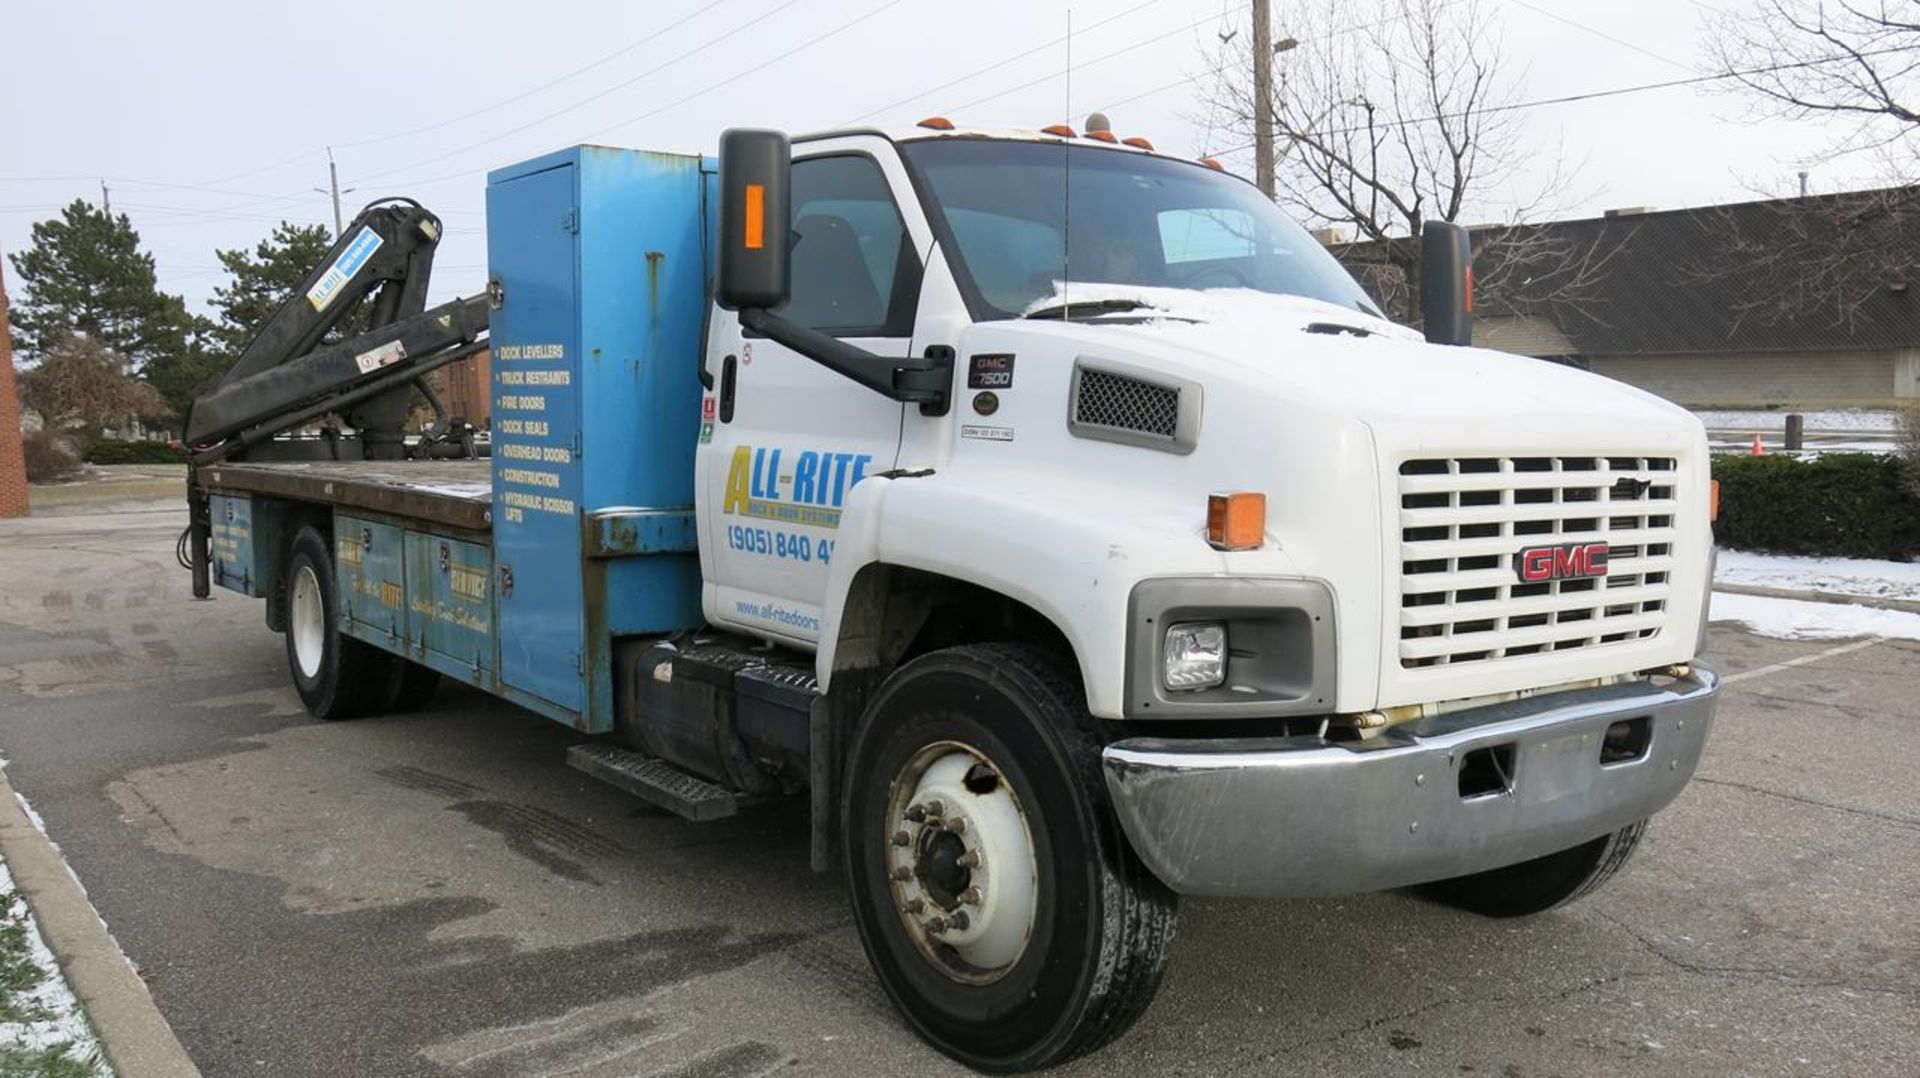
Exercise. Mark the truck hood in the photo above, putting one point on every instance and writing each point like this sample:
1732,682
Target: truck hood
1342,361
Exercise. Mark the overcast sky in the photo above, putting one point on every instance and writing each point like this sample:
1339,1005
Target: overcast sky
209,119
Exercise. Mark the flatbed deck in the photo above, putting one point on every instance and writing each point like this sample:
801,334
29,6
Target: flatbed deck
454,493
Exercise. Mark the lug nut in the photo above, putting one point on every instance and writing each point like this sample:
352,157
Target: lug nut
958,922
936,807
901,838
935,924
957,825
901,873
917,813
971,896
913,905
970,859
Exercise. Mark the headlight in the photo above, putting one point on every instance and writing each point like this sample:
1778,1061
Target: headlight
1195,656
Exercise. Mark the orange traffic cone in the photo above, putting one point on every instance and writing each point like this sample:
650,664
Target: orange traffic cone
1758,449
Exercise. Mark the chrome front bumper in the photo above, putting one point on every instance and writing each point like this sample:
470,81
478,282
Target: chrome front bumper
1298,817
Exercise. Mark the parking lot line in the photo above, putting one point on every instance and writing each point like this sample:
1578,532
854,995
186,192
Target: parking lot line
1856,645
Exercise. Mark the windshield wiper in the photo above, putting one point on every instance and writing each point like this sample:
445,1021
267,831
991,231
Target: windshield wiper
1086,309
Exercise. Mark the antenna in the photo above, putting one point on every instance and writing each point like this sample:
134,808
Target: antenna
1066,193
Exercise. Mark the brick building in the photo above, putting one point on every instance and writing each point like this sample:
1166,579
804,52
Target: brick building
13,465
465,388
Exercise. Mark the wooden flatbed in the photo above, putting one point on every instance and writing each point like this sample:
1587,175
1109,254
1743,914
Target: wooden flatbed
454,493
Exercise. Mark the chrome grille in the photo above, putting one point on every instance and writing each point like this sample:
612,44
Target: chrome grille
1464,520
1114,400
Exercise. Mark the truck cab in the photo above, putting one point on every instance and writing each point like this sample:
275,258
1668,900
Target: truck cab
1065,524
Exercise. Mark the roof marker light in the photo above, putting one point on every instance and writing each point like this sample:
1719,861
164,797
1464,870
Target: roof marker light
1137,143
1103,136
1060,130
937,123
1212,163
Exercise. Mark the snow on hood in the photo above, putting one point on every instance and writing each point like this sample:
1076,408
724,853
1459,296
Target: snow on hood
1384,372
1222,306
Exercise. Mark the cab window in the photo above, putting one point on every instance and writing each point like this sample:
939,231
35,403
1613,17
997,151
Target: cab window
854,271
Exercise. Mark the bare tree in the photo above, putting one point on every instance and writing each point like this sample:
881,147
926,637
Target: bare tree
1389,113
1852,66
1854,61
83,384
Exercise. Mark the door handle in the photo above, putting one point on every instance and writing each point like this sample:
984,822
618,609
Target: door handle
728,376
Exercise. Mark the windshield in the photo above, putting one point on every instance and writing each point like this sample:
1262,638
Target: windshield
1135,220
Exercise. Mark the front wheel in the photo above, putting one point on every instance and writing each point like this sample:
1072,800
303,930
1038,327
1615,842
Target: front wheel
994,892
1545,882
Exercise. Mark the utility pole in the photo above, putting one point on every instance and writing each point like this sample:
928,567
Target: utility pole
106,200
333,188
1263,96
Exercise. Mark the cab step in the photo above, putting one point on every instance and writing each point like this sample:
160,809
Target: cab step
655,781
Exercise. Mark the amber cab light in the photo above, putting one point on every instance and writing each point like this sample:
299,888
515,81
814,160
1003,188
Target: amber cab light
937,123
1137,143
1059,130
1212,163
1103,136
1237,521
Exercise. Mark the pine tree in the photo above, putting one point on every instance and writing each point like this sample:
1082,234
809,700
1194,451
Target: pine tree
86,274
263,279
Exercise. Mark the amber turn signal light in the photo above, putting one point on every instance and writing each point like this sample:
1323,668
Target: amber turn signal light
1237,521
1713,501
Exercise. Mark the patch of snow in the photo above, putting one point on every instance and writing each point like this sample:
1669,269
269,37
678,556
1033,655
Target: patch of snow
1843,576
1798,619
65,1021
454,490
1837,419
1232,305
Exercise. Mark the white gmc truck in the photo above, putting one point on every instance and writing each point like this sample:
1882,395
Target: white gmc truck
1057,512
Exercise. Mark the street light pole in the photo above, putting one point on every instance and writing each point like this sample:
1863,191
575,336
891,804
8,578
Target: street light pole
333,188
1263,96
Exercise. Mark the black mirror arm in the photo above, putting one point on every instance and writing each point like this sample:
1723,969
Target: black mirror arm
925,381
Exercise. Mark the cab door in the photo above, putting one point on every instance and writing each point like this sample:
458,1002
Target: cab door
783,439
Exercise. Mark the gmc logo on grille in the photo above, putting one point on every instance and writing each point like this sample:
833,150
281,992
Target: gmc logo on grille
1572,561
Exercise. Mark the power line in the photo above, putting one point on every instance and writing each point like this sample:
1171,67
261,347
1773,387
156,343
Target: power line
582,103
1042,47
703,91
1592,95
1597,32
549,84
807,44
1088,63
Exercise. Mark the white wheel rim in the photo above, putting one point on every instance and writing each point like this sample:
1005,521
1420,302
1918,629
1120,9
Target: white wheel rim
307,621
960,863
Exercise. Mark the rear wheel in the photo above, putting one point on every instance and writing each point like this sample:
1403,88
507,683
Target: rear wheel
337,676
994,892
1545,882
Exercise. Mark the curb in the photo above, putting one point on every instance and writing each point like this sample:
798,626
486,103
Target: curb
137,1041
1905,606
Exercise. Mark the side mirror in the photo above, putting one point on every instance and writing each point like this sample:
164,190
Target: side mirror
755,237
1446,283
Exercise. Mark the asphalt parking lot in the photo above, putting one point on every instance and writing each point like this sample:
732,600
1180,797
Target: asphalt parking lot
438,894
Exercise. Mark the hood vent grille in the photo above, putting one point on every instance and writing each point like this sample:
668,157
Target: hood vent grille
1111,403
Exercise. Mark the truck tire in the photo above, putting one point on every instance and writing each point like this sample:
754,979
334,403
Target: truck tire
337,676
994,892
410,686
1545,882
